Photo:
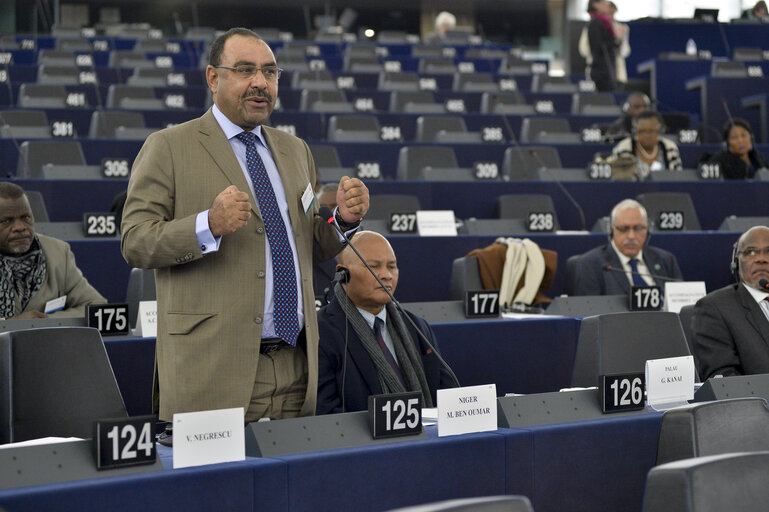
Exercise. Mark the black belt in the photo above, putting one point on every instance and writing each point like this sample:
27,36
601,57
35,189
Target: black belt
271,345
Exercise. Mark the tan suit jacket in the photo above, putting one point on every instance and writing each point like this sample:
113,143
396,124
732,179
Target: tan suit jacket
62,277
210,306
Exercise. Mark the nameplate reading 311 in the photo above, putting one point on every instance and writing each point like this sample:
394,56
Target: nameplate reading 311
622,392
395,415
124,442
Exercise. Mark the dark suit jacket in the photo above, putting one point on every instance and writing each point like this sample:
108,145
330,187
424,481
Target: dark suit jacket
593,279
731,334
360,378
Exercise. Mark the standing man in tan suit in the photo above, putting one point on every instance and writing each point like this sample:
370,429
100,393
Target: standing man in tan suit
222,208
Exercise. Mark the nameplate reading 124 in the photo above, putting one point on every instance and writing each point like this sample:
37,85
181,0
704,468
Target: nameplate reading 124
395,415
123,442
622,392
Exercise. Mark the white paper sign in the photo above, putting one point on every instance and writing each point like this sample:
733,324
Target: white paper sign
55,304
209,437
436,223
468,409
147,319
680,294
669,382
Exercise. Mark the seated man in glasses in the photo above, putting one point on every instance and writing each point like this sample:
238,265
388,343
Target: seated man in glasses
731,325
627,260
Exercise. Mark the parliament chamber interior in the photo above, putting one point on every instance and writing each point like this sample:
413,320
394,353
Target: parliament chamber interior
501,142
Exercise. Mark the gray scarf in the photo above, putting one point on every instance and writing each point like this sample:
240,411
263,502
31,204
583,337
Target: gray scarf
21,279
406,351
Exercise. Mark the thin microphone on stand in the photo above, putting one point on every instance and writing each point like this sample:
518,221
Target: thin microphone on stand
325,212
609,268
763,284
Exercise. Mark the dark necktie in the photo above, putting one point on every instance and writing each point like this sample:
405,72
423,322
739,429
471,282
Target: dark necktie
378,326
283,272
637,279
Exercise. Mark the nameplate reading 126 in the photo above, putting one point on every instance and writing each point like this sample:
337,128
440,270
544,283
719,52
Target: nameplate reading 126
395,415
622,392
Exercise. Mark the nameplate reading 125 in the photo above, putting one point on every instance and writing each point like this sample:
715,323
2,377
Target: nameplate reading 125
395,415
124,442
622,392
108,319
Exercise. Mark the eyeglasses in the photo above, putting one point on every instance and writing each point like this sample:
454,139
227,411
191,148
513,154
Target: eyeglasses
271,73
752,252
636,229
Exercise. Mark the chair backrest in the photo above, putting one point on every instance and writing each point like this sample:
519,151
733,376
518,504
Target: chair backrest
437,65
141,286
756,54
55,381
728,69
506,102
734,481
522,163
412,159
42,96
659,205
713,428
34,154
353,128
121,96
105,122
519,206
429,126
37,205
465,276
471,82
398,81
533,128
544,83
19,117
742,224
570,285
310,97
58,75
685,315
594,103
494,227
382,205
623,342
324,155
483,504
318,80
400,100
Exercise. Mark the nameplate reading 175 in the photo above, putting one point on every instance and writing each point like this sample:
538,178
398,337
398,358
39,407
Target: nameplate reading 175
395,415
108,319
124,442
622,392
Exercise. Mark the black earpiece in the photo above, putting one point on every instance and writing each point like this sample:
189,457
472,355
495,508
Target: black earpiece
342,275
735,264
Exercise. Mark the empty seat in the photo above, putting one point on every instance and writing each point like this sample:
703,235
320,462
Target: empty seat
449,129
522,163
554,130
436,66
107,124
292,61
713,428
465,276
512,65
129,59
58,75
733,481
324,101
269,33
756,54
545,83
494,227
401,81
570,285
382,205
74,44
24,124
421,102
55,58
623,342
133,97
317,80
419,52
353,128
392,36
150,46
660,205
742,224
361,50
149,77
205,33
595,104
327,163
505,103
412,159
472,82
141,287
37,205
728,69
519,206
42,96
485,53
33,155
443,174
362,64
481,504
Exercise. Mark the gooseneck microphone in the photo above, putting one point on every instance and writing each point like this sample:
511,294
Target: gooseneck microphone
325,212
609,268
763,284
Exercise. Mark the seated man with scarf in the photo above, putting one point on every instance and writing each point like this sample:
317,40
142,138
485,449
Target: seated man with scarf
367,347
36,269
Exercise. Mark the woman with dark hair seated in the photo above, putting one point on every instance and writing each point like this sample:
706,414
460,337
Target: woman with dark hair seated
739,160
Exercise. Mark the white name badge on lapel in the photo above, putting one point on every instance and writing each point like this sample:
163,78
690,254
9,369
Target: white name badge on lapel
468,409
209,437
307,198
684,293
55,304
436,223
669,382
147,319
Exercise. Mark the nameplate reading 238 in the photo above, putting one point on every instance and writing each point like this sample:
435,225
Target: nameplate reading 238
395,415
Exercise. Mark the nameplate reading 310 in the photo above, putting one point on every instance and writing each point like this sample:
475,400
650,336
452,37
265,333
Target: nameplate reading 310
395,415
622,392
124,442
483,303
108,319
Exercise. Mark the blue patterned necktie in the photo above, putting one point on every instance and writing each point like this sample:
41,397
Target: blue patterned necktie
283,272
637,279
